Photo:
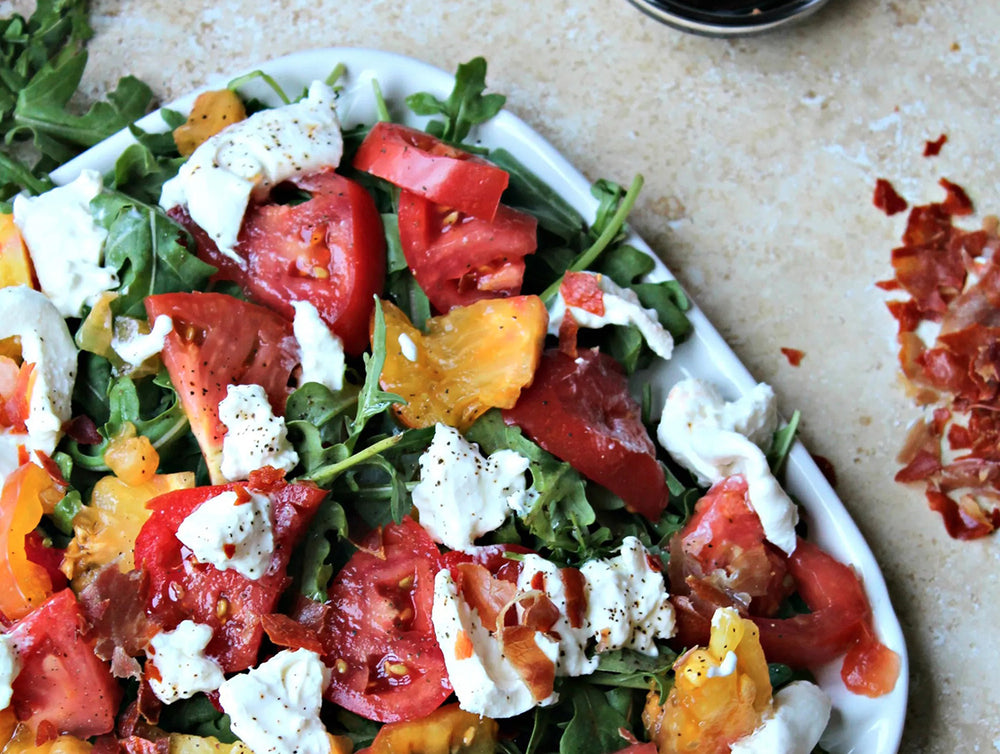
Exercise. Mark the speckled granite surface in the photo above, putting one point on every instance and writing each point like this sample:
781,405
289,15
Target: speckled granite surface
760,156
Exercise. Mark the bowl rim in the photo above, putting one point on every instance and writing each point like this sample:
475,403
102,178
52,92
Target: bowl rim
685,17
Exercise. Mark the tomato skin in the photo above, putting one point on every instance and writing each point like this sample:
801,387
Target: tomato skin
840,617
180,588
469,360
329,251
205,353
380,620
725,534
580,410
63,687
459,259
425,165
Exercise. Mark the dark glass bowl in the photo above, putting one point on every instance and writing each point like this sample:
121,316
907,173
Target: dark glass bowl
727,18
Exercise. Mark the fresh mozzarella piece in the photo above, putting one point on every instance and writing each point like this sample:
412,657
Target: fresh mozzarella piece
140,347
65,244
247,159
794,724
255,437
627,606
715,439
10,666
485,681
231,533
461,495
182,669
627,601
321,353
275,707
621,307
725,669
407,347
46,343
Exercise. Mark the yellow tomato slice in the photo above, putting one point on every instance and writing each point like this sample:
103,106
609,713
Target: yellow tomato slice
15,264
24,585
719,694
446,730
469,360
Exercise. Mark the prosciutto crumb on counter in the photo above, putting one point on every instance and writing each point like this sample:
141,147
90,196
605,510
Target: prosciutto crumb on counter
947,304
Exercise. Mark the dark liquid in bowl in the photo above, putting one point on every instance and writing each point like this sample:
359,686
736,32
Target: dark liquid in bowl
731,6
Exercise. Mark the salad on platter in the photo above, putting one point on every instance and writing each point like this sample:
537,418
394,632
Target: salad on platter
340,414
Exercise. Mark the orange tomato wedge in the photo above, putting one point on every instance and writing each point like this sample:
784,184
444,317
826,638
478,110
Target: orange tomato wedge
443,731
15,264
717,698
24,585
470,360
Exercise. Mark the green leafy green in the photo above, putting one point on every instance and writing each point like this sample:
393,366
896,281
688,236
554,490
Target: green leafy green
145,246
594,727
527,192
151,406
782,444
328,525
625,668
560,515
197,716
465,107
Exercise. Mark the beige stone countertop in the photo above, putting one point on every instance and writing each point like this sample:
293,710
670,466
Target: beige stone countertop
760,156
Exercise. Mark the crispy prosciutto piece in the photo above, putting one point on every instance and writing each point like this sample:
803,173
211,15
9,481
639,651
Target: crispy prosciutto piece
951,277
712,561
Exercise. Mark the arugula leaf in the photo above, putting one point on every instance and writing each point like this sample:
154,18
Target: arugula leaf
328,524
41,109
42,60
781,445
465,107
197,716
561,515
594,727
529,193
154,410
372,400
625,668
145,246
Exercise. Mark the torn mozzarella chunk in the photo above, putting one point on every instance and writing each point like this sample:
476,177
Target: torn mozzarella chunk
321,352
621,307
627,606
182,668
715,439
461,495
485,681
65,244
275,707
45,342
140,347
244,161
10,666
793,725
231,533
254,437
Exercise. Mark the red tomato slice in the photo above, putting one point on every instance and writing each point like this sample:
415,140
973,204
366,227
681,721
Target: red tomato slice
840,616
62,687
329,251
424,165
458,259
723,543
580,410
378,636
218,341
180,588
